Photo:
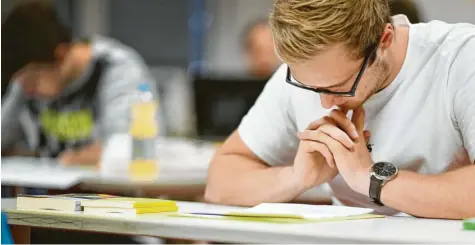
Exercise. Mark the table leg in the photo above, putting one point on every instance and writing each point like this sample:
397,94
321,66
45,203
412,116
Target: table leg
21,234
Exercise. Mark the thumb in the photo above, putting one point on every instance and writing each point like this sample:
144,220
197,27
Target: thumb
358,119
366,135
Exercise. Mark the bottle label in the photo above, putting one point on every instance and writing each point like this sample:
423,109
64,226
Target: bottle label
144,149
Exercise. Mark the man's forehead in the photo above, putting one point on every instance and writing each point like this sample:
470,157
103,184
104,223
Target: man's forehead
328,68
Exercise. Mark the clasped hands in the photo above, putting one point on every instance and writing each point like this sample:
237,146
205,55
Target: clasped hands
341,143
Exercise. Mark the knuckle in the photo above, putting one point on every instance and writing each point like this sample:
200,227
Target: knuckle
334,113
327,120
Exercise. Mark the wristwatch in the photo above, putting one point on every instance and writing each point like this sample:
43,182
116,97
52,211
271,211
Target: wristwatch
381,173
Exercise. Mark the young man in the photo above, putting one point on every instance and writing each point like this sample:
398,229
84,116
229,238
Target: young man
64,97
408,88
261,60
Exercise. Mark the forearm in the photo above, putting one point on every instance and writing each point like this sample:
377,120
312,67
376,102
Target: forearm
232,184
449,195
11,108
90,154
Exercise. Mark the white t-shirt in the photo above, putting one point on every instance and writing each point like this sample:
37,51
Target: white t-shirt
426,115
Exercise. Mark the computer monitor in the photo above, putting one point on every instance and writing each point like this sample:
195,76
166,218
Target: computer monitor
221,103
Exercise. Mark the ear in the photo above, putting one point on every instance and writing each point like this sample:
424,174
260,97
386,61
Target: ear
61,51
387,37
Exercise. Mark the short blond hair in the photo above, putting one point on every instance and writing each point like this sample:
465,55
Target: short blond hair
304,28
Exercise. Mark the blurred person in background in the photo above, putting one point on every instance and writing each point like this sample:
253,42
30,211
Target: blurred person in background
64,97
380,109
407,8
261,60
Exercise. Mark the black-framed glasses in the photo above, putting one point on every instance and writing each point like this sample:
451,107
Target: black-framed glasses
369,58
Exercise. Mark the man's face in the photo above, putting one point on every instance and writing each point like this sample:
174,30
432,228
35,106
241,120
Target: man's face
336,71
261,58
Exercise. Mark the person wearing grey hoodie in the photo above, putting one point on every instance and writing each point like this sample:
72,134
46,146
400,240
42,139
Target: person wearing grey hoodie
64,97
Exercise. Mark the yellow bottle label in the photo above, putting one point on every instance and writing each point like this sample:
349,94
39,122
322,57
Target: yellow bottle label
143,170
144,123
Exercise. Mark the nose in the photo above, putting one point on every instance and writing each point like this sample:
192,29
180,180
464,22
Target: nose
327,101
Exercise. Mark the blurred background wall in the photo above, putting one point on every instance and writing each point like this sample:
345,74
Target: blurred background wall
197,33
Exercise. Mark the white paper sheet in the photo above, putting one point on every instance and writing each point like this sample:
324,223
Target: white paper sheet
41,173
285,210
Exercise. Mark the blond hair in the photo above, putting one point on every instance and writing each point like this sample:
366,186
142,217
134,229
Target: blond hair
304,28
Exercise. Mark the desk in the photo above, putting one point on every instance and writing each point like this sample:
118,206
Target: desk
177,183
386,230
45,173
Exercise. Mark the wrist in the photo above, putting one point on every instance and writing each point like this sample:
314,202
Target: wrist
291,181
362,182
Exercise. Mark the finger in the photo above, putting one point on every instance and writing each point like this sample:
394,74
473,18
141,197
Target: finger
344,123
343,110
366,135
358,119
330,130
313,146
335,147
316,124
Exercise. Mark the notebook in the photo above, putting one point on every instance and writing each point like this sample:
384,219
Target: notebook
129,211
66,202
128,202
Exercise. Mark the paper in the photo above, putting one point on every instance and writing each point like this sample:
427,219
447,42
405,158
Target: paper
41,173
305,211
275,220
289,210
205,208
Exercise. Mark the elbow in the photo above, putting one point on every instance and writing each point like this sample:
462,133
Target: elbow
212,195
216,190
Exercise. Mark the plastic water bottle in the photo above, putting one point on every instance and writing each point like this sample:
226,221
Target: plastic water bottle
144,131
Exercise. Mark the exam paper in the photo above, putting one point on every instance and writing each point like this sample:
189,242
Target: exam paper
288,210
304,211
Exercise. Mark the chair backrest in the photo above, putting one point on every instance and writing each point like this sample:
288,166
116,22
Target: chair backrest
221,103
6,233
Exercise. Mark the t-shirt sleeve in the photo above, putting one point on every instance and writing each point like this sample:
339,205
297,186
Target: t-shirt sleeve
269,129
118,92
462,80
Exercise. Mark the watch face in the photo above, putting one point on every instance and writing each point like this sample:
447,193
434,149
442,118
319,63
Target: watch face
384,169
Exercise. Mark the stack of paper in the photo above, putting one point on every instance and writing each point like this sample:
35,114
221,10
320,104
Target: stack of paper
66,202
128,205
286,211
300,211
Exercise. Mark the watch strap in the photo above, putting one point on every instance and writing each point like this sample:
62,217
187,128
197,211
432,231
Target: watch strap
375,187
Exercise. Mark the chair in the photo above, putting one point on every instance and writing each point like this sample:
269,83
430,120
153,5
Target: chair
6,233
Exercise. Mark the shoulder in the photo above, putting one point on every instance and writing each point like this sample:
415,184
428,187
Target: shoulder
117,55
449,39
277,82
450,46
125,68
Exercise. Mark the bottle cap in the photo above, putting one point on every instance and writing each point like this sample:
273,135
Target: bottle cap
144,87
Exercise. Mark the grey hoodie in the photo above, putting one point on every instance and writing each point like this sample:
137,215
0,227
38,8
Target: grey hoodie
78,116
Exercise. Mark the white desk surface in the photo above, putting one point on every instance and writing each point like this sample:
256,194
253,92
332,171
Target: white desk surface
385,230
46,173
31,172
